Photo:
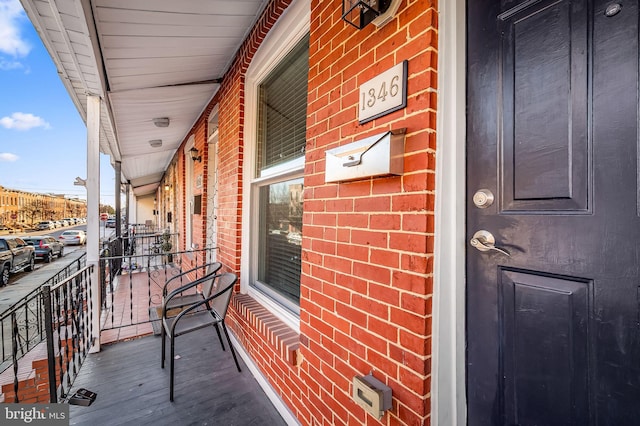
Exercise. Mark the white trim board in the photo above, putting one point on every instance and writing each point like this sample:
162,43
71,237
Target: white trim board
448,385
279,405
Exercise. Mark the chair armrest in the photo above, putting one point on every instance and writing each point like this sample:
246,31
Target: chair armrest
183,273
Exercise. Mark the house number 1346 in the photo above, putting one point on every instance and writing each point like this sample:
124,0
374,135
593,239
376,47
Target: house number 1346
385,93
369,100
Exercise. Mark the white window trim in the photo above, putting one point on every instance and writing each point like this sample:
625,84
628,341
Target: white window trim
291,27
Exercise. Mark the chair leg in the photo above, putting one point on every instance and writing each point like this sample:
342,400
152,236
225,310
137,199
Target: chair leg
171,362
164,345
233,352
219,335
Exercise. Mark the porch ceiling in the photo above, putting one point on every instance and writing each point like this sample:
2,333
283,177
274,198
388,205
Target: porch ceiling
145,59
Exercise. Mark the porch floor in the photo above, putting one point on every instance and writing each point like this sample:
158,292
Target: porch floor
132,388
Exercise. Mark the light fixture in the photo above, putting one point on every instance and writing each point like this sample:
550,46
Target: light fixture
361,12
161,121
195,154
155,143
167,187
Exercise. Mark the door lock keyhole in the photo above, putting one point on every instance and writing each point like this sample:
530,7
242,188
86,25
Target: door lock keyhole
483,198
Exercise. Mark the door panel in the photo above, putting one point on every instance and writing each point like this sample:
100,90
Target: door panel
545,331
545,145
553,328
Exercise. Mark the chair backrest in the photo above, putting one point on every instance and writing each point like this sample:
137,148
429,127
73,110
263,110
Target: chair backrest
222,290
207,269
207,287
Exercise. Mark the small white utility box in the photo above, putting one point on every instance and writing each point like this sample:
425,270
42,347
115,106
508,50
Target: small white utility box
372,395
378,155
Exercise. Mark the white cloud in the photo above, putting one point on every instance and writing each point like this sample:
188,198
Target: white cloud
7,65
11,41
22,121
7,157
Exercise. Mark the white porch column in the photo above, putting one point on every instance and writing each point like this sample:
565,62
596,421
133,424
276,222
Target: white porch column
93,209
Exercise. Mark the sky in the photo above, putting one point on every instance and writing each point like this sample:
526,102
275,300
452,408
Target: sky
43,139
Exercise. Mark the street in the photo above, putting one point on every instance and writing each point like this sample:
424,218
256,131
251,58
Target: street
23,283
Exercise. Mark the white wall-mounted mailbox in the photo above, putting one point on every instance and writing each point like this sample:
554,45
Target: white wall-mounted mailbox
378,155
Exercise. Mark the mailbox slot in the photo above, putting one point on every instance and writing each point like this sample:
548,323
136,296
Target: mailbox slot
378,155
372,395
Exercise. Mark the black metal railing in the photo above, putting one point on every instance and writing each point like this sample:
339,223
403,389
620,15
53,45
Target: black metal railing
59,315
68,317
143,228
23,322
133,281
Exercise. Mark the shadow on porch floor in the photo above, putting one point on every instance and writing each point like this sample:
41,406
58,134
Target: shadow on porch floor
133,389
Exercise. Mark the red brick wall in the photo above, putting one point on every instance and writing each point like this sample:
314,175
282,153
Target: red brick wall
367,245
32,390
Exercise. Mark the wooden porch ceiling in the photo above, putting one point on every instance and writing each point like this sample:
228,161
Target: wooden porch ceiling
145,59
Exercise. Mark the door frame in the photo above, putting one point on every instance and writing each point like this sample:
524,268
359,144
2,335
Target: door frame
211,219
188,192
448,356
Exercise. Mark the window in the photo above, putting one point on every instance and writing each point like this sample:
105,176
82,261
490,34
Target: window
275,141
280,234
281,140
282,110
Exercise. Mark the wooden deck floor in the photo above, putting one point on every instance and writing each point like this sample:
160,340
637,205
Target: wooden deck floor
132,388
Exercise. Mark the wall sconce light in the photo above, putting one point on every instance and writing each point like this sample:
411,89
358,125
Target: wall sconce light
167,187
195,154
155,143
161,121
361,12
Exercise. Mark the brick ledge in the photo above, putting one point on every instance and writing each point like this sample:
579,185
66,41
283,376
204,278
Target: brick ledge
279,335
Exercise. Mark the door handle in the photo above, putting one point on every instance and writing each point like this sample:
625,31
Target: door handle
485,241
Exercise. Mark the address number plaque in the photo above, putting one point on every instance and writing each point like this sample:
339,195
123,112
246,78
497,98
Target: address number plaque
383,94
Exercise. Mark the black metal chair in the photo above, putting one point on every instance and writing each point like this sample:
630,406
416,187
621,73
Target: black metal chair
210,311
180,300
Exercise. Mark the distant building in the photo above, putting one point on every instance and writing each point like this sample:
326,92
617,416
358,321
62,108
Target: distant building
21,208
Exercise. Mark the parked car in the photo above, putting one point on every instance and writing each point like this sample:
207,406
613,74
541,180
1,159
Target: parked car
73,236
64,222
15,256
46,246
70,220
110,223
46,225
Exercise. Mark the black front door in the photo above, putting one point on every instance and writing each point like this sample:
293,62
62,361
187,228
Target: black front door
553,325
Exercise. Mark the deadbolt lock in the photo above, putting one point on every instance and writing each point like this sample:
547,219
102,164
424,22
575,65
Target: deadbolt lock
483,198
